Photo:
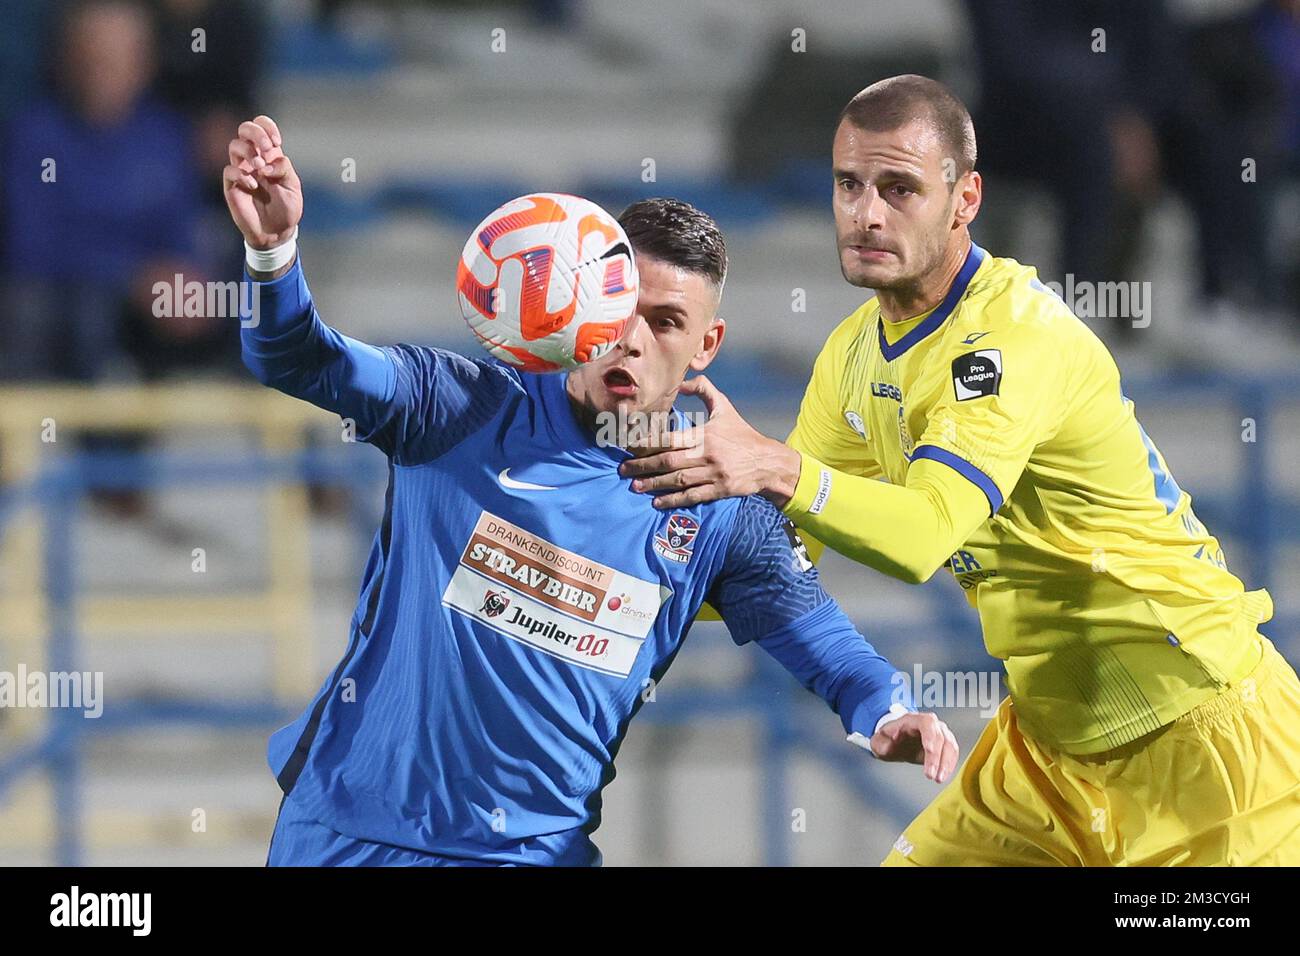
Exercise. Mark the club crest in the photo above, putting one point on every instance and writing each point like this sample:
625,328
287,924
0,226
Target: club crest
676,541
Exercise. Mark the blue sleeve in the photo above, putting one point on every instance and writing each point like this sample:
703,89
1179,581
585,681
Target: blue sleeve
413,403
769,592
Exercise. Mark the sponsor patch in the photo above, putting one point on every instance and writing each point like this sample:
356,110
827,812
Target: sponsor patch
554,600
886,390
977,374
494,602
905,440
856,423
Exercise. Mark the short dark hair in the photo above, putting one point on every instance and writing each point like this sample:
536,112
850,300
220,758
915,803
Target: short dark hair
679,234
890,103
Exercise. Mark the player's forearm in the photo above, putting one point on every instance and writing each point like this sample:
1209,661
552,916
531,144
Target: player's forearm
830,658
907,531
287,346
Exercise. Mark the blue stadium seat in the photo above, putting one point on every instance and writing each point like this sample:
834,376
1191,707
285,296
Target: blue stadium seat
733,205
464,201
304,46
335,209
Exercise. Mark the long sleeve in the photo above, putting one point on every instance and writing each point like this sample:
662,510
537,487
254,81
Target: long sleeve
287,346
769,592
907,531
412,402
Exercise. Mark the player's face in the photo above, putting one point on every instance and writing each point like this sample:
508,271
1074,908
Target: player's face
894,210
675,329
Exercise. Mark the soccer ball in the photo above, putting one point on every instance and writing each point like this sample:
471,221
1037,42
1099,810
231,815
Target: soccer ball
547,281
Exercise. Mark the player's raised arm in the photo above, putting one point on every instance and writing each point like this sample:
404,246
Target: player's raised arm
971,455
769,592
905,531
284,342
411,402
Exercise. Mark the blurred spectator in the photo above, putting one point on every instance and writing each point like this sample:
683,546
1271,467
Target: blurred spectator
101,204
22,44
1276,27
781,129
220,68
1252,61
1104,130
22,41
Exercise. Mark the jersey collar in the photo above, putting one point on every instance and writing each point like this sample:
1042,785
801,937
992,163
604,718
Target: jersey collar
936,318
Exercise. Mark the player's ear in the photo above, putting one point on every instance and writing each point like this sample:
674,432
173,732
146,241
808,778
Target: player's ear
970,193
709,345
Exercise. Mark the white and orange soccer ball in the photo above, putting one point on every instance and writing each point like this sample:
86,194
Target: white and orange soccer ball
547,281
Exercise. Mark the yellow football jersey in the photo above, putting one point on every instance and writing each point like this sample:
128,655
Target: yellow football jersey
1109,602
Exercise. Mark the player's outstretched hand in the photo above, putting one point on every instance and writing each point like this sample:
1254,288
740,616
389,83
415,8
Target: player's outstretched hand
918,738
262,189
723,458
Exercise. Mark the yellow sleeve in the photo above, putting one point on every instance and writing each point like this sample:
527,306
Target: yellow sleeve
821,429
906,532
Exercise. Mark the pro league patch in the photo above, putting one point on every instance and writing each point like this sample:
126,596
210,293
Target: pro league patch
976,374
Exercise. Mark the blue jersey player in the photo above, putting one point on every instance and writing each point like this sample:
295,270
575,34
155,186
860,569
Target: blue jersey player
519,596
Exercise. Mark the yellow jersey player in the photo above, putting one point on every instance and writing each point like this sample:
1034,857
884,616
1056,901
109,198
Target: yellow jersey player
965,417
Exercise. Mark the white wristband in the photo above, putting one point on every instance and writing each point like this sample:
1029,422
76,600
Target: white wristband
269,260
895,711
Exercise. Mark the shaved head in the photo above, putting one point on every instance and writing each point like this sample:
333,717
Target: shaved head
898,100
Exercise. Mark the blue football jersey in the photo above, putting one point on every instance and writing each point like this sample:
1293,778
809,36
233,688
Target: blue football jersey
518,600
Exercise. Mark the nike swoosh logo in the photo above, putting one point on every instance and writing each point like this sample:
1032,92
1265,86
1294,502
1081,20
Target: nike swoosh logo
971,339
508,482
618,249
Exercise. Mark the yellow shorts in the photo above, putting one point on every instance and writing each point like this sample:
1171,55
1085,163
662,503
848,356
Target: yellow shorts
1218,786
